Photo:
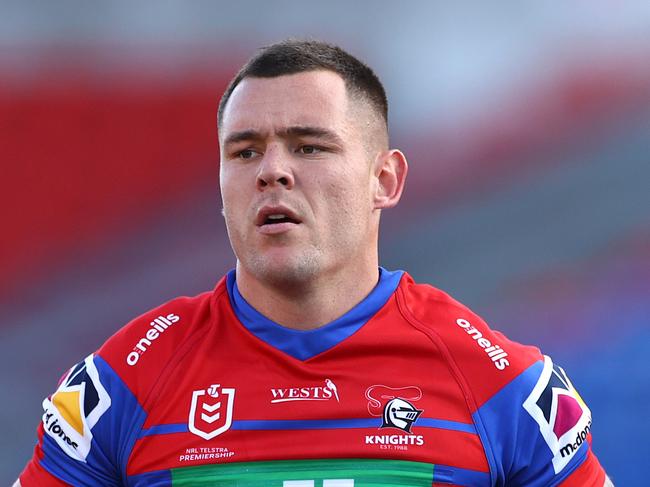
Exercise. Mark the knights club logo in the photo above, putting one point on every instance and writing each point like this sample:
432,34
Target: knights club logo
393,405
563,418
211,411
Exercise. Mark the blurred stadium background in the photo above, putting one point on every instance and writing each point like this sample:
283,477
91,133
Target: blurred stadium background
527,127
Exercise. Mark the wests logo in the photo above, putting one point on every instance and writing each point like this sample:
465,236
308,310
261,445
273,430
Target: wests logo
211,411
311,393
563,417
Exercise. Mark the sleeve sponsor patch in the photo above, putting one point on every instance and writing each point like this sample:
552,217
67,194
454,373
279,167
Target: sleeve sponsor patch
76,406
563,417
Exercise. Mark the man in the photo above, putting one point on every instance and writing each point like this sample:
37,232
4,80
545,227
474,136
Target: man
309,365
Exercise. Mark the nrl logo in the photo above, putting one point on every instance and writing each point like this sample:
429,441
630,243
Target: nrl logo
211,411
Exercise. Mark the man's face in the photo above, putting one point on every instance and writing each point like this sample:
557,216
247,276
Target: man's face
297,176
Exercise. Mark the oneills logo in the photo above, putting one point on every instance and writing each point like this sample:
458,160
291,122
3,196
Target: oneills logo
158,327
494,352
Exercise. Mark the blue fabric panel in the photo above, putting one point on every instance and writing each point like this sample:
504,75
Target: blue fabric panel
517,453
159,478
308,424
113,437
305,344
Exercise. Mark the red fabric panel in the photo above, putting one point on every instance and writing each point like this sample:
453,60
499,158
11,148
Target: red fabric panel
37,476
589,474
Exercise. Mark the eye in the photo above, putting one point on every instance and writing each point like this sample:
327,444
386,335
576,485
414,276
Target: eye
246,154
309,149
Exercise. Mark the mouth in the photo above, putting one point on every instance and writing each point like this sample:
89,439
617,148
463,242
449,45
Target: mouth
276,219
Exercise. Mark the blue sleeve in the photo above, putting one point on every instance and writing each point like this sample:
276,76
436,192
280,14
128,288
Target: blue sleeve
535,428
89,426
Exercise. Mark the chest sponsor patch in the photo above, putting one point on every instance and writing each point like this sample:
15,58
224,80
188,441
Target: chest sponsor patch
325,392
563,417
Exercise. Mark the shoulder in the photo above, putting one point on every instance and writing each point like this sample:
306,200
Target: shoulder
91,421
483,358
533,423
144,347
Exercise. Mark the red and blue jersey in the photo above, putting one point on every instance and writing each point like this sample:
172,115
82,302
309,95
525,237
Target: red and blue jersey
407,388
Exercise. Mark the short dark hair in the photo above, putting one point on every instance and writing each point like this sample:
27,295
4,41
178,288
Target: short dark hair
294,56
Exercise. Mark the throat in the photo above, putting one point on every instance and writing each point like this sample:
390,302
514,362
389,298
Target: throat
304,306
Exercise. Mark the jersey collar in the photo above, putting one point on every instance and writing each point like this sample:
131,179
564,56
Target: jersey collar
305,344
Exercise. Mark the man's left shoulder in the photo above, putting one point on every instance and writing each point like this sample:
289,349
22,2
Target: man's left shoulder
485,358
151,343
529,413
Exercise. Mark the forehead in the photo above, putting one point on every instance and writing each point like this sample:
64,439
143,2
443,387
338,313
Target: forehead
314,98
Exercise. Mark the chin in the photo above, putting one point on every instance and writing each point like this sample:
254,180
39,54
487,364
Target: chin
281,270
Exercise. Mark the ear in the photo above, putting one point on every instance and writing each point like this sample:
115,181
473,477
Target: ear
390,170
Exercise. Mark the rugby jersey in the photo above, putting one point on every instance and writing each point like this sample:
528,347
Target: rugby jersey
409,387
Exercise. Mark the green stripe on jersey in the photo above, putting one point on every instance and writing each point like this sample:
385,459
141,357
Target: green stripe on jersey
308,473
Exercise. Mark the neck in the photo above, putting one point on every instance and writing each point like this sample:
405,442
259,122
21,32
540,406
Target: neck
309,305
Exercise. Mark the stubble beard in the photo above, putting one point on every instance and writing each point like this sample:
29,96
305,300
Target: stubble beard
287,272
291,275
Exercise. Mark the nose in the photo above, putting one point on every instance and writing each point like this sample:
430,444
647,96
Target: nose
275,170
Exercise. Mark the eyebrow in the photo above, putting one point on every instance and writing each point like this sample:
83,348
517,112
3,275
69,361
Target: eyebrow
294,131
